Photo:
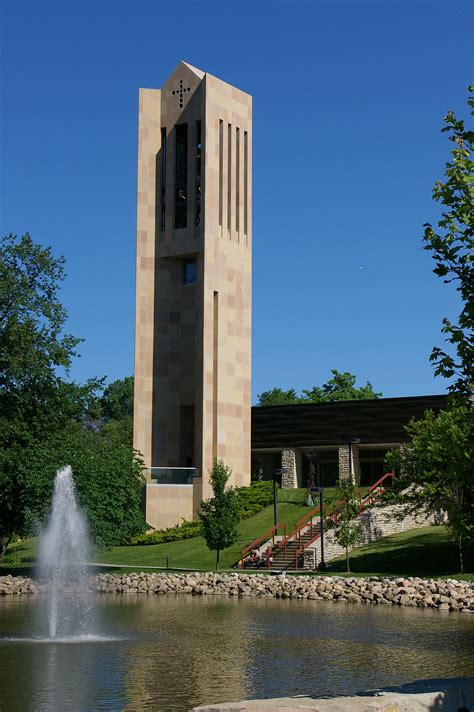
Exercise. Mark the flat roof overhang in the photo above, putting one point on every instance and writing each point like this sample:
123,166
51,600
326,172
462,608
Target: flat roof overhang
311,424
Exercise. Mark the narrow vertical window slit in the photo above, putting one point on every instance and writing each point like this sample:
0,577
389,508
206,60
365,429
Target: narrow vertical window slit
246,180
221,169
229,177
237,179
197,183
163,178
181,176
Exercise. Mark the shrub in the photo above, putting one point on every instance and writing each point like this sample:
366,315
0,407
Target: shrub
186,530
254,498
251,501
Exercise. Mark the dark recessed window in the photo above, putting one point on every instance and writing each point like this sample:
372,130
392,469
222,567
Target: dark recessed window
197,186
181,176
163,178
189,271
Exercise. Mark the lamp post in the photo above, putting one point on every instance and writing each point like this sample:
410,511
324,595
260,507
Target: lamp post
275,473
320,491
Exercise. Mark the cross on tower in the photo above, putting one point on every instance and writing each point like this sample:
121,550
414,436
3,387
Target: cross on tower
181,92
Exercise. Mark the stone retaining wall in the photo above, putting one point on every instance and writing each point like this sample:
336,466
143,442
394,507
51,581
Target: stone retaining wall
377,522
450,595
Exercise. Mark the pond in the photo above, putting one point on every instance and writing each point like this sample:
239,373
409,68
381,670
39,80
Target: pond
171,653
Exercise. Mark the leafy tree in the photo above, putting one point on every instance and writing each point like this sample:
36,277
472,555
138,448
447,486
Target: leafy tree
38,407
116,408
339,388
33,399
277,396
220,514
452,248
347,530
108,478
31,317
117,400
434,470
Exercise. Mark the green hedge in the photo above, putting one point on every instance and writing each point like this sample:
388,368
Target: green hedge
254,498
251,500
186,530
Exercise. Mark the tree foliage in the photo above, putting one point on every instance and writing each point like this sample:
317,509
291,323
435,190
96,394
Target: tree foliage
108,478
278,396
40,410
220,515
31,316
116,411
347,530
340,387
117,400
435,469
452,248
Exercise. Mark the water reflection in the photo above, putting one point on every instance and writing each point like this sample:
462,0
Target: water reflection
172,653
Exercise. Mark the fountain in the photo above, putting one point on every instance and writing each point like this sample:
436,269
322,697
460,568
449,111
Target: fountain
63,555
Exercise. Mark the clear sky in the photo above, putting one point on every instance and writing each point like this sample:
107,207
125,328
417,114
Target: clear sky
348,106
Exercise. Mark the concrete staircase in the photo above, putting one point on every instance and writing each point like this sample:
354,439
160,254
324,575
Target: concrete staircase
287,552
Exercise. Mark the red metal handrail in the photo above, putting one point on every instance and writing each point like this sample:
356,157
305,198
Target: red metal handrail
308,515
368,498
256,543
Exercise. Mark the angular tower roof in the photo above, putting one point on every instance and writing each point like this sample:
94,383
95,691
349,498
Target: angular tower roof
198,72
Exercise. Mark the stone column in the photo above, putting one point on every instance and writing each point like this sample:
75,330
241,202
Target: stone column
344,462
288,469
309,559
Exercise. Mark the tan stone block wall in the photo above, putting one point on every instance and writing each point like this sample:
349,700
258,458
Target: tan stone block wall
168,505
227,272
149,141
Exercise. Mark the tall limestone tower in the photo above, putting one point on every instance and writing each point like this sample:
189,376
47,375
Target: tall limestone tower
193,289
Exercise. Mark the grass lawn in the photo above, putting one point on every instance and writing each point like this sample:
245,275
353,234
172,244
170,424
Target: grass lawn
189,553
428,552
420,552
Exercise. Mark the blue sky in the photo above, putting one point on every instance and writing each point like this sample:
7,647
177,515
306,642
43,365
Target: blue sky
348,105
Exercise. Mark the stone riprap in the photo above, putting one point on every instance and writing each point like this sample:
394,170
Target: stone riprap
444,595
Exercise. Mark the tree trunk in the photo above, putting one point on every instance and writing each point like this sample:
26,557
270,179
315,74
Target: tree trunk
347,560
461,559
217,558
4,542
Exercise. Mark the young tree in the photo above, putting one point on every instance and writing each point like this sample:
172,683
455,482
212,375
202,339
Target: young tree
452,248
435,470
220,514
347,530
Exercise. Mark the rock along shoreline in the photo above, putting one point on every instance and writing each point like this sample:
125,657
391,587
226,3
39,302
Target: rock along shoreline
444,595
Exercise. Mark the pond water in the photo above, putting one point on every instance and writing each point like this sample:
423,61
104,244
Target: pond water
173,652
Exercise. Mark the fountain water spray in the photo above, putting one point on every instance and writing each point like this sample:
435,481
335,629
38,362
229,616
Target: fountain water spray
64,552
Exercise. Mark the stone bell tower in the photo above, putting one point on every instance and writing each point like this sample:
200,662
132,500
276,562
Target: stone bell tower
193,288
